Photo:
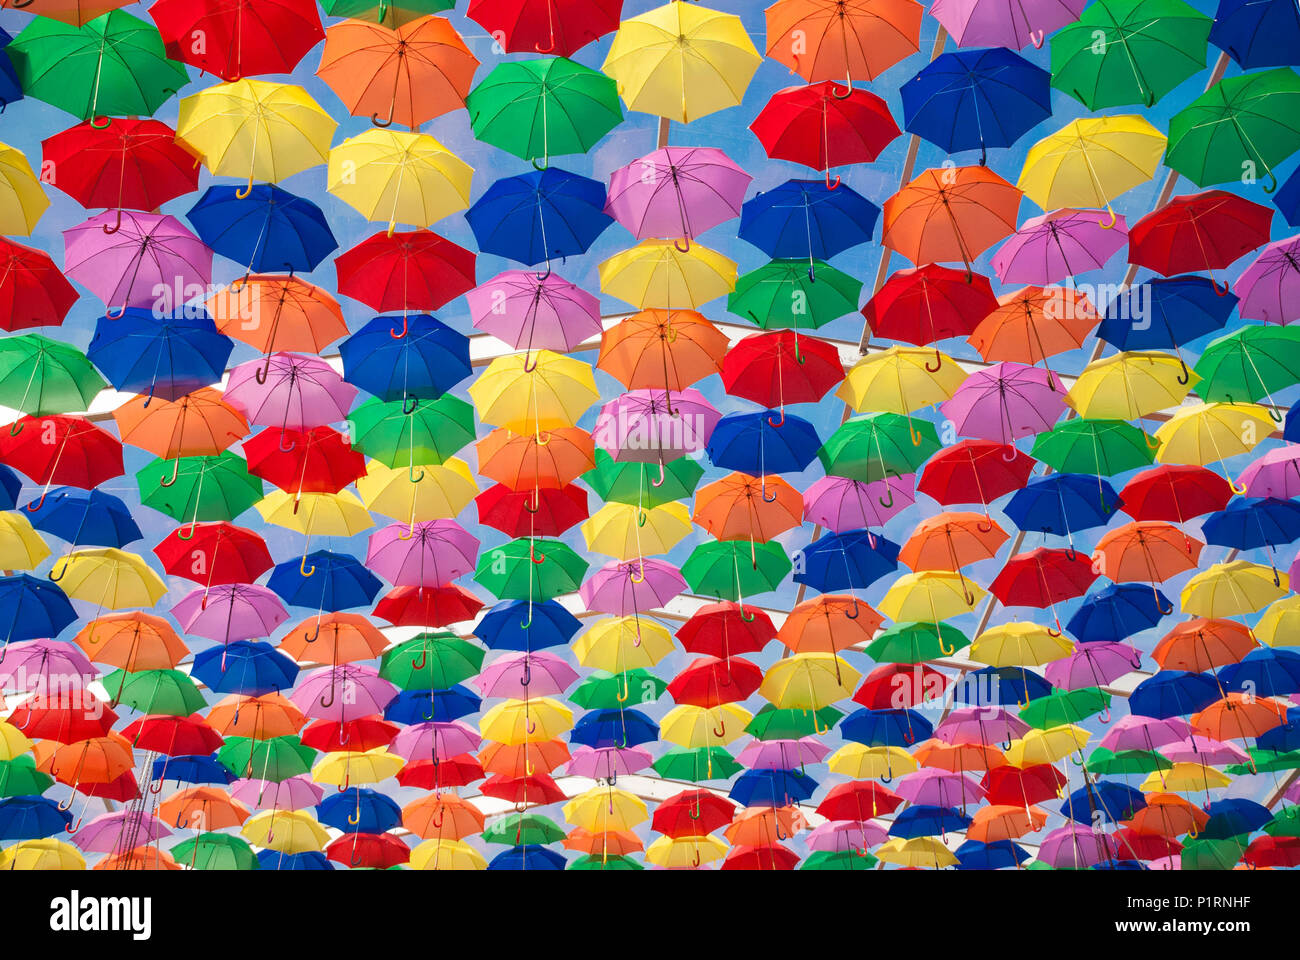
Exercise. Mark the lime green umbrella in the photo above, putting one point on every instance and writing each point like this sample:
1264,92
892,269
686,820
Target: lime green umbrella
791,723
1107,761
206,488
734,569
839,860
1122,52
616,482
602,690
275,758
1249,364
42,376
394,14
543,108
916,642
20,778
530,570
878,445
115,65
697,764
1064,706
781,294
518,829
215,851
431,661
167,692
1265,761
1242,127
1212,854
1102,448
398,435
593,862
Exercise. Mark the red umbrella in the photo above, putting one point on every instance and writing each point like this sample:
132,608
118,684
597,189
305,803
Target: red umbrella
1023,786
33,292
70,451
1043,578
858,800
415,270
174,736
64,724
378,851
532,513
779,368
923,305
892,686
773,857
557,27
710,681
726,629
458,771
1174,492
1201,231
1273,852
319,460
692,813
812,126
1145,846
975,471
427,606
214,553
363,733
122,789
239,39
540,788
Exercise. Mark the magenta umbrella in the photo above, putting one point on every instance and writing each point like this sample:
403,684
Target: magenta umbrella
1197,749
1275,474
843,836
429,553
1144,733
608,763
1270,287
1004,23
230,611
1093,665
625,588
838,503
677,192
347,689
1004,402
292,793
1059,244
1076,845
151,261
944,788
517,675
29,664
648,426
532,311
980,725
448,738
782,754
120,830
291,391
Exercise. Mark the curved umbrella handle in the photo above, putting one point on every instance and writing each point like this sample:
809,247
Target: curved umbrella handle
314,635
62,573
330,702
677,245
243,192
777,424
1227,288
290,447
938,362
108,121
302,567
1272,179
181,535
535,504
533,555
1113,219
409,404
544,165
1186,375
1036,37
406,326
424,659
16,428
116,226
857,611
374,117
662,476
829,184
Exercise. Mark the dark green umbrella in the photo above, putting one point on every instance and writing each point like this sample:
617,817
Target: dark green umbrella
400,435
791,723
602,690
1064,706
594,862
780,294
20,778
517,829
275,758
1106,761
390,14
839,860
1249,364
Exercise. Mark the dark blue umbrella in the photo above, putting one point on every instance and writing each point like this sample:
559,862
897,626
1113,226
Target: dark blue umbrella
976,99
749,442
191,768
1283,738
360,810
805,218
32,608
338,581
1291,429
27,818
86,517
927,820
530,856
307,860
1113,801
1117,611
402,358
852,560
614,727
511,625
772,788
1287,199
268,230
886,728
1000,687
1264,672
1258,33
439,706
166,357
1253,523
1234,817
1114,864
11,488
539,216
1062,503
974,855
11,91
1165,312
1173,693
248,667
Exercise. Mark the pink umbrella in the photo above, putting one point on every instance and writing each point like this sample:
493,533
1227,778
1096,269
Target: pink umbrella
1004,23
1076,845
450,738
120,830
1093,665
290,391
842,836
980,725
623,589
128,268
230,611
1144,733
429,553
347,689
517,675
533,311
782,754
1275,474
677,192
29,665
645,426
1004,402
942,788
1059,244
608,763
1270,287
838,503
1197,749
292,793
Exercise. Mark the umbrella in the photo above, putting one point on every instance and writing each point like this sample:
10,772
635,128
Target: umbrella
263,229
825,40
91,517
780,294
1266,286
948,215
405,270
676,192
148,260
539,215
1256,34
1165,312
806,218
166,357
1004,402
813,126
398,177
420,360
241,40
1057,245
655,273
1204,231
406,432
987,23
33,293
41,376
559,27
526,310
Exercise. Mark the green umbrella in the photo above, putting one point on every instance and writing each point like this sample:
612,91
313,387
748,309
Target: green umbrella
734,569
839,860
399,436
1285,823
42,376
1104,761
395,14
1102,448
1122,52
517,829
781,294
878,445
1064,706
275,758
1249,364
1265,761
916,642
1238,126
206,488
115,65
1215,854
601,690
20,778
633,483
530,570
215,851
543,108
593,862
791,723
167,692
697,764
431,661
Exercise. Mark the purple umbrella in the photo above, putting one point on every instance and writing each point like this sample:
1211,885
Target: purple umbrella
120,830
292,793
1076,845
128,268
348,689
290,391
230,611
1196,749
531,311
980,725
1270,287
519,674
677,192
782,754
648,426
1093,665
429,553
1059,244
30,664
608,763
625,588
999,23
838,503
451,738
1004,402
944,788
1144,733
843,836
1275,474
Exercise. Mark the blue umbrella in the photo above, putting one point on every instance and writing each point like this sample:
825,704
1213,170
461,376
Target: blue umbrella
1112,800
1253,523
750,443
1118,611
772,788
1234,817
87,517
976,99
511,625
1114,864
1258,33
974,855
360,810
248,667
1283,738
26,818
805,218
405,358
539,215
1173,693
1165,312
852,560
191,768
1264,672
1000,687
1287,199
1291,429
11,91
337,581
32,608
927,820
614,727
166,357
886,728
530,856
438,706
11,487
1062,503
307,860
269,230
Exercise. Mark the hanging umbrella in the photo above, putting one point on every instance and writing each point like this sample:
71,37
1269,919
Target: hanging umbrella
291,391
33,292
405,433
1057,245
420,360
240,40
780,295
129,265
406,270
813,126
663,349
826,40
774,369
922,305
1249,364
1267,286
206,487
1129,386
41,376
553,392
949,215
274,313
166,357
677,192
382,12
655,274
1203,231
988,23
539,215
560,27
198,424
89,518
398,177
266,229
62,450
1005,402
805,218
1256,34
527,310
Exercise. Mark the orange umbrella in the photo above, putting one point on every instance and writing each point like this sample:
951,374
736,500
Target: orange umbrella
1032,324
828,624
334,638
762,826
139,858
1147,551
203,809
270,715
519,462
1203,644
842,39
523,759
93,760
443,816
1238,716
133,640
958,757
951,540
409,75
270,312
1004,821
951,214
607,843
1169,815
662,349
741,507
198,424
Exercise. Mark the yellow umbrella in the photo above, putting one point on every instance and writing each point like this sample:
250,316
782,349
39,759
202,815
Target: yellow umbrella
691,726
1047,746
1202,433
399,177
526,721
109,577
916,852
809,681
1185,777
1130,385
1019,644
13,741
288,831
416,494
1233,589
655,274
602,809
616,644
534,396
1280,624
628,532
315,514
685,852
255,129
1091,161
21,547
861,762
22,201
43,854
900,380
682,61
345,768
446,855
930,596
